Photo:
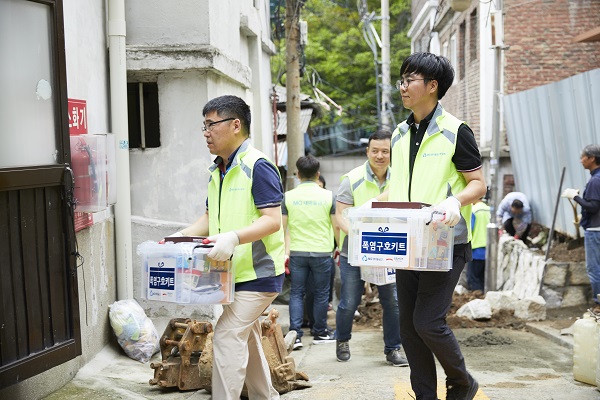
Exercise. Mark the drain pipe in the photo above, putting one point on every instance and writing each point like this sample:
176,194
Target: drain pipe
118,112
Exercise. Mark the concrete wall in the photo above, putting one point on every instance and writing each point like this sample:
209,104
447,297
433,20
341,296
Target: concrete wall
332,169
526,273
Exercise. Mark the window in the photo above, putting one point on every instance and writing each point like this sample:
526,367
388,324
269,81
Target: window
473,26
30,90
143,115
453,53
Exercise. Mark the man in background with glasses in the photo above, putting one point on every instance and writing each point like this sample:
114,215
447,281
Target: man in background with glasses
435,161
243,219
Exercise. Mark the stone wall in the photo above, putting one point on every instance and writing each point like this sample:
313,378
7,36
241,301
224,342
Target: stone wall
526,274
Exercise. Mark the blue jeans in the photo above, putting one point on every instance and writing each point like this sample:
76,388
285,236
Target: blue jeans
592,261
476,274
320,269
309,299
351,293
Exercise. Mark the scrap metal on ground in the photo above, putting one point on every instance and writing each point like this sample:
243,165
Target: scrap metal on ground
186,353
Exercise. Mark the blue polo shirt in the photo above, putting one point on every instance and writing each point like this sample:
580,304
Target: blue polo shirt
267,191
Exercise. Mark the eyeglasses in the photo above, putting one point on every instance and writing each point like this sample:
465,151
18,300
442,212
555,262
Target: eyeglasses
211,124
406,83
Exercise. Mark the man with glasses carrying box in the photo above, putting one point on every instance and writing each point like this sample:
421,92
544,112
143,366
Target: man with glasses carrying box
435,161
243,219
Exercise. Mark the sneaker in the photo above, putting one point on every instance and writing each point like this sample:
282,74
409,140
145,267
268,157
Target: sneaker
326,337
342,351
458,392
396,359
297,344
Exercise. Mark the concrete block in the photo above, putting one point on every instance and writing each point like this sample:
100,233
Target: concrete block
478,309
578,274
504,300
575,295
556,274
553,296
531,309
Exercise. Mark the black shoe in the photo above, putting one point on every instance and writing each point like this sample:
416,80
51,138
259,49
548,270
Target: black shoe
459,392
297,344
342,351
396,359
327,337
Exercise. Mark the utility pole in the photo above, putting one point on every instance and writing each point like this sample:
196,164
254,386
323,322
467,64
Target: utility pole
491,267
386,83
295,138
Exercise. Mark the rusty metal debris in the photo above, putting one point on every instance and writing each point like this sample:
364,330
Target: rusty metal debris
186,351
181,347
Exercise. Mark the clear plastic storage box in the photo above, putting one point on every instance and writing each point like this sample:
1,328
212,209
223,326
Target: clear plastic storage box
399,238
378,276
182,273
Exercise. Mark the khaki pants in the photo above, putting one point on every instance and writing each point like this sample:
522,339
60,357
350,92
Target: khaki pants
237,350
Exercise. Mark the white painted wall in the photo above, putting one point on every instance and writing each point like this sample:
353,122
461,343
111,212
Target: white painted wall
227,52
87,78
332,169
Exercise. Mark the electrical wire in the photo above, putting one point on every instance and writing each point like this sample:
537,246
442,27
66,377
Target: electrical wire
79,259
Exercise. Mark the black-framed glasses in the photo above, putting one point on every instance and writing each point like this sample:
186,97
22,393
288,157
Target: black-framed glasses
402,83
211,124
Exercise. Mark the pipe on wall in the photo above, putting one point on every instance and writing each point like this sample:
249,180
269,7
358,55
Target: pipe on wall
118,112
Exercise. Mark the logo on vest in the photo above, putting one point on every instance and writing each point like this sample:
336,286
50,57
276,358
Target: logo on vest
236,189
433,154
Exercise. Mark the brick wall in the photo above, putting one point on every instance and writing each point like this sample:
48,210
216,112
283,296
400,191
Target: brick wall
540,35
462,99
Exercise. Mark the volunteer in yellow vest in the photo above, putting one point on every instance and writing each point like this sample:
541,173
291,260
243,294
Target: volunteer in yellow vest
476,268
243,219
308,220
358,186
436,161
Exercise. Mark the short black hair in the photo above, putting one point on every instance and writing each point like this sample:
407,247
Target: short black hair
380,135
517,204
229,106
308,167
592,150
432,67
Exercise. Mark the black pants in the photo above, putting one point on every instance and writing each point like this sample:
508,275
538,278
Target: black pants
424,299
510,229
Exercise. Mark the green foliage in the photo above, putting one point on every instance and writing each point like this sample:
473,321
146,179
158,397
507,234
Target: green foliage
339,62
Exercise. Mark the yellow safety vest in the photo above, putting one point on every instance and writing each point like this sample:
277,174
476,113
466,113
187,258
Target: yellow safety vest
363,189
434,176
481,211
231,206
309,218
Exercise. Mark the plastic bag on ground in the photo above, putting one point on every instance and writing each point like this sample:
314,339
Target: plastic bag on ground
135,332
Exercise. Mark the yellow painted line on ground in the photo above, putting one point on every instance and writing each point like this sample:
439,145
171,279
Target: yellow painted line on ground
403,391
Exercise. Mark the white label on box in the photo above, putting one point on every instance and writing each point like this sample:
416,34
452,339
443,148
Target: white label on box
161,278
383,244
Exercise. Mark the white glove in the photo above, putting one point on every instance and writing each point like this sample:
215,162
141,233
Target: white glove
224,245
570,193
451,209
